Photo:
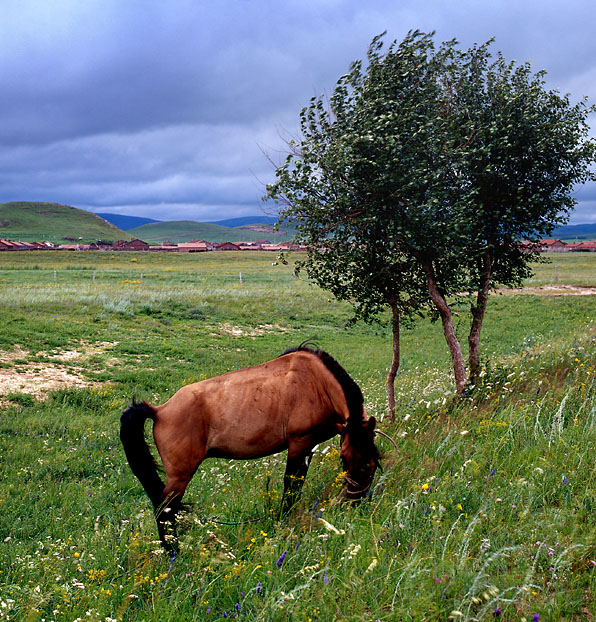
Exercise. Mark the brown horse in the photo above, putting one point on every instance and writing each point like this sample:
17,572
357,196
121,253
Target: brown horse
294,402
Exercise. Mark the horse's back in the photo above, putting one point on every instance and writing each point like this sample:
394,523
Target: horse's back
254,411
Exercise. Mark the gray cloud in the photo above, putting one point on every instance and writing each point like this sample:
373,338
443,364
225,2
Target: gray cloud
163,108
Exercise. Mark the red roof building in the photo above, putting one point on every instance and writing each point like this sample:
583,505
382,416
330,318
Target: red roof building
554,246
133,245
587,246
195,246
227,246
7,245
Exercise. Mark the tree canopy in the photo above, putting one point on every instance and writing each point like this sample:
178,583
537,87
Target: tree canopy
423,175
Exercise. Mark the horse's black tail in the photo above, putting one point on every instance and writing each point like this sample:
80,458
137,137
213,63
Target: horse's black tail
142,463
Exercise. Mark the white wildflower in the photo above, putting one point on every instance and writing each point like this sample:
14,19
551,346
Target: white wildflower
372,565
331,528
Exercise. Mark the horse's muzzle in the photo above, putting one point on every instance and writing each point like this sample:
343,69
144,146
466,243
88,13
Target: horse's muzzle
353,490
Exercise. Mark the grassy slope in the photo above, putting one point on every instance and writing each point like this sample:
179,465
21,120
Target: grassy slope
187,230
489,505
36,222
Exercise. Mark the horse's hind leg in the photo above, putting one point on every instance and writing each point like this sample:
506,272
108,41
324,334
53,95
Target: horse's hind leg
166,512
296,469
181,454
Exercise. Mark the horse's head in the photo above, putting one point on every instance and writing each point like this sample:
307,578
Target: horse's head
359,456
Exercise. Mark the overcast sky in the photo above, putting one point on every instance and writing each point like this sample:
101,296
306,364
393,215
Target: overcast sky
163,108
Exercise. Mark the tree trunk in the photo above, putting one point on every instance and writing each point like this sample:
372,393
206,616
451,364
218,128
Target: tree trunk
394,361
478,310
457,359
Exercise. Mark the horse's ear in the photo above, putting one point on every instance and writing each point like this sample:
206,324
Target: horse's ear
371,423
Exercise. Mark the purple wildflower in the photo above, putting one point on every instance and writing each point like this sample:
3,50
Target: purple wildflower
281,559
492,472
565,481
224,614
259,588
326,578
536,617
497,612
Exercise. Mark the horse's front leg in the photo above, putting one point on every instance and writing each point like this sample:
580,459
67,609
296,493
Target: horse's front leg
296,469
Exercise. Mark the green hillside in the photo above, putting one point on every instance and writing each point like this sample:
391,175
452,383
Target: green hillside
30,221
186,230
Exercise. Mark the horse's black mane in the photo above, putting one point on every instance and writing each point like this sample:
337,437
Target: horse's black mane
352,391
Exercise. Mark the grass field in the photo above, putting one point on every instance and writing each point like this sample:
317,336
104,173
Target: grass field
487,511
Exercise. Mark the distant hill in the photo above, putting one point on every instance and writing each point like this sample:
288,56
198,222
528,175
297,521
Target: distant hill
245,220
31,221
572,233
125,222
186,230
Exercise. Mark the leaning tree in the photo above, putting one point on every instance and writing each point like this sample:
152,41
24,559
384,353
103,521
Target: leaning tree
423,173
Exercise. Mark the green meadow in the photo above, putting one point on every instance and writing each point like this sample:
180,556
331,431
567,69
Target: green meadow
487,511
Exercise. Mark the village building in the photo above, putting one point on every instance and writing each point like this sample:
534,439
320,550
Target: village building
588,246
6,245
165,248
22,246
554,246
133,245
227,246
249,246
195,246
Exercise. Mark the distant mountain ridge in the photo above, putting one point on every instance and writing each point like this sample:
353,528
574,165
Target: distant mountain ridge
571,233
186,230
43,221
125,222
244,220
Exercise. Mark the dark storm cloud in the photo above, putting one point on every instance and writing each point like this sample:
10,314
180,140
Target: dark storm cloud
163,108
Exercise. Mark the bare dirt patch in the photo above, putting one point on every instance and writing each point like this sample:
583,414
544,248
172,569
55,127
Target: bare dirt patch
263,329
555,290
37,379
85,353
